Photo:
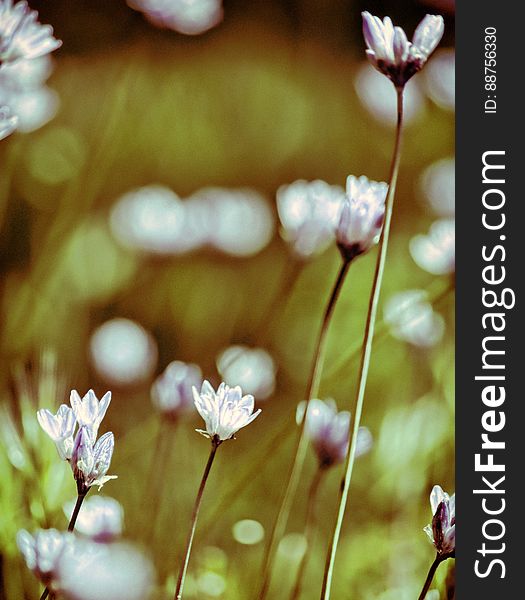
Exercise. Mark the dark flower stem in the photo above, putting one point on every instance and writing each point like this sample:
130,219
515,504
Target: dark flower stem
431,572
196,508
70,527
301,444
309,529
366,350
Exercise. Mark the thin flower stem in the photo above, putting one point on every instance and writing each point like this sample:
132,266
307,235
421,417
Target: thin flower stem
302,440
366,351
76,510
309,529
431,572
70,527
196,508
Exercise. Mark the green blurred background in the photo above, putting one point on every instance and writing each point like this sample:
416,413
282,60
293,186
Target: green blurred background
265,98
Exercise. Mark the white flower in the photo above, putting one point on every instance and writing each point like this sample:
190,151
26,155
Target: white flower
436,252
224,411
60,428
190,17
251,368
390,51
92,571
100,518
308,212
89,462
361,217
412,319
42,551
8,122
89,412
172,391
21,35
442,532
329,431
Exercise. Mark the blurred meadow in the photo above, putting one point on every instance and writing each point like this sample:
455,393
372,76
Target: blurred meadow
280,90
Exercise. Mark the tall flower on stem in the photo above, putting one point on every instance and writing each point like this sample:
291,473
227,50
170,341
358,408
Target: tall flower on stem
356,227
88,457
390,51
442,531
395,57
225,412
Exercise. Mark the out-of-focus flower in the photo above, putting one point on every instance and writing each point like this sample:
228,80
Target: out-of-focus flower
23,90
440,79
378,97
442,531
361,217
437,184
390,51
150,218
8,122
100,518
224,411
253,369
412,319
21,35
90,462
248,532
236,221
436,252
60,428
91,571
89,412
123,352
42,551
329,431
190,17
309,212
172,391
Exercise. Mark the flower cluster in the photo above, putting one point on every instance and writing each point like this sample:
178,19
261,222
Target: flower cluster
442,531
89,458
224,411
22,39
390,51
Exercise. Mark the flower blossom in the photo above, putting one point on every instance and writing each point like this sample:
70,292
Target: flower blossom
89,411
442,531
172,392
42,551
88,457
90,462
21,35
329,431
60,428
224,411
308,212
361,216
436,252
389,50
